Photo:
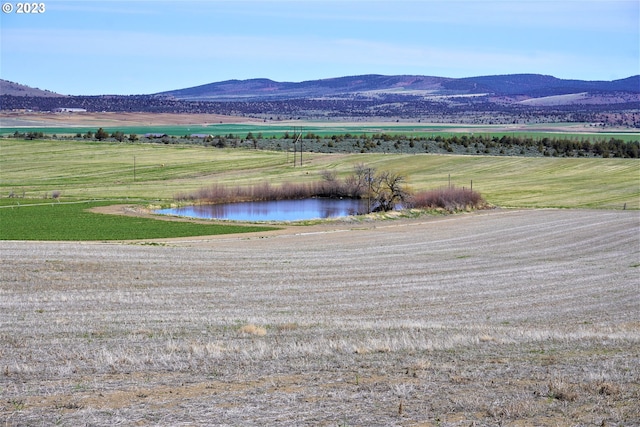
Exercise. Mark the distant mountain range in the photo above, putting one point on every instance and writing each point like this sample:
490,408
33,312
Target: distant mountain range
516,98
373,85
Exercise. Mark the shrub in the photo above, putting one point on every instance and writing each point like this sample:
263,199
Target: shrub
560,390
252,329
218,193
385,191
449,198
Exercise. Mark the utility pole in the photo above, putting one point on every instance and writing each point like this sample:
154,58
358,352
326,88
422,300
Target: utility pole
297,137
369,193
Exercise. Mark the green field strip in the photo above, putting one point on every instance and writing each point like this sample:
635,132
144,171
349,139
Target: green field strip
59,221
278,130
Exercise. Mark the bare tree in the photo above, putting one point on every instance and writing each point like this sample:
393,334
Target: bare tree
390,190
363,179
383,189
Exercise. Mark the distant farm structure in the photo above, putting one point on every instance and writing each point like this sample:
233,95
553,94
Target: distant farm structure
69,110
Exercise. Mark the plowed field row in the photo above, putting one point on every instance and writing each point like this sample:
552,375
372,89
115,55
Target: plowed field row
515,317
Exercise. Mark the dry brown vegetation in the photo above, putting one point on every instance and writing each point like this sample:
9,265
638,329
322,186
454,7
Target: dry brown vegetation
384,189
219,193
450,198
522,318
116,119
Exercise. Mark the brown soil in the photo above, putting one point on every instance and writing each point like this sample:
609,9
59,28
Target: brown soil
110,119
118,119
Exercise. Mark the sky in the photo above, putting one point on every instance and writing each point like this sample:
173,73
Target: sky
96,47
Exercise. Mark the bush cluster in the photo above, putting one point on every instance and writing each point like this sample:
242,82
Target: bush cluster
449,198
218,193
384,189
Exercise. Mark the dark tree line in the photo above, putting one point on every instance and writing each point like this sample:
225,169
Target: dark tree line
513,145
563,147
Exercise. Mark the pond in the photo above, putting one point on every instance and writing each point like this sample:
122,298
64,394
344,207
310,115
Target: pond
274,210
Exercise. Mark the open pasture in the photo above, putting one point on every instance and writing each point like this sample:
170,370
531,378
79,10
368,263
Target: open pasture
79,170
515,317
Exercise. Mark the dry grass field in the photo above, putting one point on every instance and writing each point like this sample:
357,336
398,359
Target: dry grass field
502,317
10,119
115,119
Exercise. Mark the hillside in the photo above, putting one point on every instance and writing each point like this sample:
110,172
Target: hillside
17,89
262,89
536,85
373,85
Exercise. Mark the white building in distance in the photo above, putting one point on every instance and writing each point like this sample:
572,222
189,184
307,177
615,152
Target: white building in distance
69,110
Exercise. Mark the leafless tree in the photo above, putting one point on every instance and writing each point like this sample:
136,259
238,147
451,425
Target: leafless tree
384,189
387,190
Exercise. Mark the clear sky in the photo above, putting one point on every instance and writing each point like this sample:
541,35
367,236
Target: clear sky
96,47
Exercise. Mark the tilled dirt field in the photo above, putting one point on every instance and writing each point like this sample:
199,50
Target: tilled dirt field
523,318
114,119
10,119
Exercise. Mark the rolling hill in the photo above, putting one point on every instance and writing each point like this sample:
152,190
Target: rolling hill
17,89
373,85
498,99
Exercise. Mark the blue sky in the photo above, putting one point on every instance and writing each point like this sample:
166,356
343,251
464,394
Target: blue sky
135,47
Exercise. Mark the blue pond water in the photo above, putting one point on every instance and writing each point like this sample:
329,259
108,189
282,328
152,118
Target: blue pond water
276,210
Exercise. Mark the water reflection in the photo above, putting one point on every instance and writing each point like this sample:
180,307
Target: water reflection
276,210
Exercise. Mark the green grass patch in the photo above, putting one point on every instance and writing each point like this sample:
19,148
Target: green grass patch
278,130
59,221
81,170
